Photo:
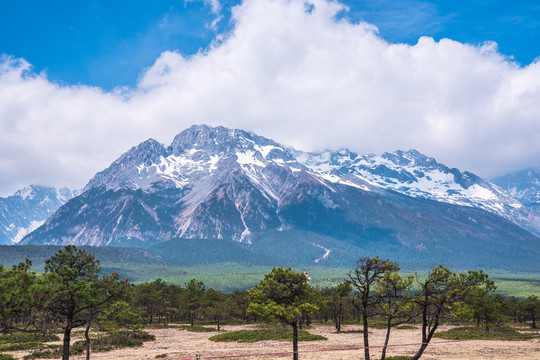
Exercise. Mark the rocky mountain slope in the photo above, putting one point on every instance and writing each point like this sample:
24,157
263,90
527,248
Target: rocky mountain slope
219,183
27,209
525,186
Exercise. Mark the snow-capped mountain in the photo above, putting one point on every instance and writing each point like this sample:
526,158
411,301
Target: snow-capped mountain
417,175
525,186
219,183
27,209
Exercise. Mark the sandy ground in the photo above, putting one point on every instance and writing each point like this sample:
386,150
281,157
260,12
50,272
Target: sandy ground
180,344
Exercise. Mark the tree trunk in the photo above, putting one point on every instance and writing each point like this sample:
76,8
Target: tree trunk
425,341
533,315
388,327
67,340
87,337
366,335
295,340
339,316
218,325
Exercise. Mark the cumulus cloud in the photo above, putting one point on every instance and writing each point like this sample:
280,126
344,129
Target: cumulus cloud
290,70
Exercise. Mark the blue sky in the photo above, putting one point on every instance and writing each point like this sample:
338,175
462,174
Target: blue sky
83,81
109,43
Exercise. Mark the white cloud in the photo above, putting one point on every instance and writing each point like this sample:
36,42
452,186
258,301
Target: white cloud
300,77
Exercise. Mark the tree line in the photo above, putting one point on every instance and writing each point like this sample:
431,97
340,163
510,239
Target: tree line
72,293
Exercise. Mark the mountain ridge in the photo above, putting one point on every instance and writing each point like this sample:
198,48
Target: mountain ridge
27,209
231,184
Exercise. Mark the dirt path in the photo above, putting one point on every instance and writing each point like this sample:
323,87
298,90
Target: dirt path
180,344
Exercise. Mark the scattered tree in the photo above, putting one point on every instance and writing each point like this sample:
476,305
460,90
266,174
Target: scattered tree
283,295
487,307
363,278
80,295
193,295
24,296
439,293
217,306
393,301
338,294
531,305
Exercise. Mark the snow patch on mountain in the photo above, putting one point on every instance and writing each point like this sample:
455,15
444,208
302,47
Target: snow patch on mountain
414,174
22,232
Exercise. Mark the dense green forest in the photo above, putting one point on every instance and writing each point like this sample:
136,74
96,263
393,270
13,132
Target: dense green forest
222,273
73,292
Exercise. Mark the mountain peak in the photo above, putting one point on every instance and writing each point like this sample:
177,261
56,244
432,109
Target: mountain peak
125,168
27,192
218,140
524,185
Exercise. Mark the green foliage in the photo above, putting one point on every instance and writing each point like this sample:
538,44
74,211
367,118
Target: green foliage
392,296
20,346
18,338
216,306
399,357
367,279
25,341
531,307
443,294
286,296
332,300
193,296
116,340
141,265
6,357
472,333
23,294
264,334
54,353
120,314
194,328
283,295
107,342
160,356
80,296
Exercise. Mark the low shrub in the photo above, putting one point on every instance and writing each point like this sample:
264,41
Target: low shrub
6,357
51,353
20,346
17,338
472,333
115,340
195,328
107,342
265,334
